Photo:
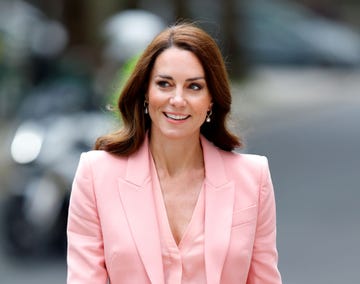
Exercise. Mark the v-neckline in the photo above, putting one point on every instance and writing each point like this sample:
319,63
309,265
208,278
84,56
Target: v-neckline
164,218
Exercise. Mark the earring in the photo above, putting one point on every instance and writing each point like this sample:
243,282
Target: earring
208,118
146,110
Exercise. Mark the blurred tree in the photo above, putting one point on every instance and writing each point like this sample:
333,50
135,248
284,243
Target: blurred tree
83,20
131,4
233,29
181,10
52,8
231,26
75,18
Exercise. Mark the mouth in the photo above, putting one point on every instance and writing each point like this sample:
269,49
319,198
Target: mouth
177,117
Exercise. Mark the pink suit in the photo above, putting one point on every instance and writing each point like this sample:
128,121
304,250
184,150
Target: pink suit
113,228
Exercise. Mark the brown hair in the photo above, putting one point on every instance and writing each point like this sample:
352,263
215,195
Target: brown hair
131,101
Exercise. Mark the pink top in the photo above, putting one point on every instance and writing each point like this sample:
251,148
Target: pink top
183,263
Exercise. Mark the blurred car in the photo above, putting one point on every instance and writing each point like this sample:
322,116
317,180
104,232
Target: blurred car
284,32
45,154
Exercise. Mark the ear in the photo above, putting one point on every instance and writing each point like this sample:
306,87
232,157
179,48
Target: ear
210,106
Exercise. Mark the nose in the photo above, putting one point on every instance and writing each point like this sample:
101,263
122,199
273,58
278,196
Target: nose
178,98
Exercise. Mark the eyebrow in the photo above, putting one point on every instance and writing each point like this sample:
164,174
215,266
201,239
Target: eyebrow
189,79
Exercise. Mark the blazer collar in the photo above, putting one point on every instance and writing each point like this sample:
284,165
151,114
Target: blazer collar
138,169
137,199
219,204
214,165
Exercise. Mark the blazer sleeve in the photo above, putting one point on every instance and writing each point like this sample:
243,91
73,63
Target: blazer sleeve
85,254
263,267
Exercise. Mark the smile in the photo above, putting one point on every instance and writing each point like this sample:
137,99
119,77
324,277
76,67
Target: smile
176,116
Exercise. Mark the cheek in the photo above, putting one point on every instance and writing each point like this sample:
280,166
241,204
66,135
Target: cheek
155,104
155,98
202,111
205,106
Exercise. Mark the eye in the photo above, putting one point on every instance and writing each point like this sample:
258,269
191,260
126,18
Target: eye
163,84
195,86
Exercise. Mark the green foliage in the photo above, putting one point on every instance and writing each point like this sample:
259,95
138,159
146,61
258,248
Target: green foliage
120,79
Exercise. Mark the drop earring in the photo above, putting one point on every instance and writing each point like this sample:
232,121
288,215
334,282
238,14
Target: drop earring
146,110
208,118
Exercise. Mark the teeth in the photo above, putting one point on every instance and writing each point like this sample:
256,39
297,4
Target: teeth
176,117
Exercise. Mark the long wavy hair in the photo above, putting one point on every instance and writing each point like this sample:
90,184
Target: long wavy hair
136,123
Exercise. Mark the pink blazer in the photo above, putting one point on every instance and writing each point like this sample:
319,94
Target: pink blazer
112,226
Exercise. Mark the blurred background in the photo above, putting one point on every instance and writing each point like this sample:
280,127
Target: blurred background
295,72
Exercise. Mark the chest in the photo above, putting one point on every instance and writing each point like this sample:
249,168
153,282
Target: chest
180,196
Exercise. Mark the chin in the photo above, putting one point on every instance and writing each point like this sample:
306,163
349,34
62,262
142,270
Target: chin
178,134
166,131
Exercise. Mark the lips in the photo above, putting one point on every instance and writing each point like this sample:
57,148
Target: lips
176,116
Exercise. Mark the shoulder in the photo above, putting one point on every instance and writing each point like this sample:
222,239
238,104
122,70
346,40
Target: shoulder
99,161
251,176
235,164
248,162
101,156
250,172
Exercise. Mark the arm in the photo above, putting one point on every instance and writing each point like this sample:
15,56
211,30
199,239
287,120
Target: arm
85,256
263,268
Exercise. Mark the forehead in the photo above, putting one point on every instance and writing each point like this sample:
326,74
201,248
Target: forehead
176,60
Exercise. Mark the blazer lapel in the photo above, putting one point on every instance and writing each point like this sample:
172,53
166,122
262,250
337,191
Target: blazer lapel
219,203
137,200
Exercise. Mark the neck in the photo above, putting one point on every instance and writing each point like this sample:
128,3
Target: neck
173,157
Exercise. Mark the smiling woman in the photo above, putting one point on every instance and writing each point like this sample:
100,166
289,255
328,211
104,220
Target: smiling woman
178,97
166,199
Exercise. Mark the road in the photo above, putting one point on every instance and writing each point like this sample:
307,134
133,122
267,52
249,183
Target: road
313,148
32,271
315,164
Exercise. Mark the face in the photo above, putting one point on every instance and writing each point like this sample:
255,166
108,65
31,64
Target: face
178,95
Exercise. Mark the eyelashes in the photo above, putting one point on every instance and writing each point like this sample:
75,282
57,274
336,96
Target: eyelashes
195,86
192,86
163,84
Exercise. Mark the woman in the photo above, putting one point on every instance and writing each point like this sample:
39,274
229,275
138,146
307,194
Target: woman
165,199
